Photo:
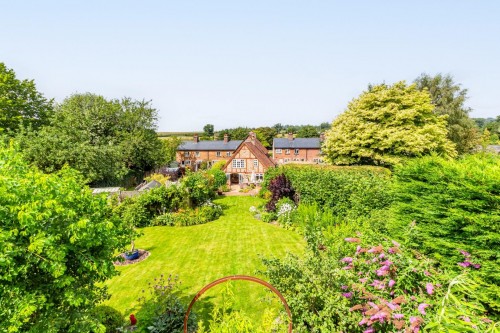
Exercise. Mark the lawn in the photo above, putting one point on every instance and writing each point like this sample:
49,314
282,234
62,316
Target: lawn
231,245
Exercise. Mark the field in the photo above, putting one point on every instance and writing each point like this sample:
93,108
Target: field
201,254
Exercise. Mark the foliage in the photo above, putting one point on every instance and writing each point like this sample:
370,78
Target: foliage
386,124
454,205
104,139
268,216
219,165
208,130
201,185
160,178
280,187
308,131
226,320
161,308
239,133
266,135
170,146
206,213
140,211
21,105
109,317
58,243
448,98
345,190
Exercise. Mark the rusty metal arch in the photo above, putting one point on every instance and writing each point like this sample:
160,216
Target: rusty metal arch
239,277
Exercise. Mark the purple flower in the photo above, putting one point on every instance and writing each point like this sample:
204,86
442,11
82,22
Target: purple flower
358,249
344,287
430,288
398,316
465,253
426,273
464,264
381,256
363,321
384,270
380,316
347,295
363,280
370,330
347,260
391,283
392,306
348,267
373,305
421,308
386,263
476,266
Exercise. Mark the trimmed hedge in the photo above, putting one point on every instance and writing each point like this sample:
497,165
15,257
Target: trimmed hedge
344,190
452,205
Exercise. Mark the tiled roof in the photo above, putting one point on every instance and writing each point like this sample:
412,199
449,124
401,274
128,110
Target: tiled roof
284,143
209,145
260,155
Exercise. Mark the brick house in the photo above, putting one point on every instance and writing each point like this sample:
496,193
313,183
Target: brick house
249,162
297,150
193,153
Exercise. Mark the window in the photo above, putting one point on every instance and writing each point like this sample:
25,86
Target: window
197,154
238,164
186,154
296,151
259,177
287,151
228,153
278,151
188,162
217,154
287,160
255,163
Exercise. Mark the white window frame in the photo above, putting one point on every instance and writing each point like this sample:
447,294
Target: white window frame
278,151
238,163
217,154
186,154
255,163
197,153
228,153
188,162
297,150
259,177
287,151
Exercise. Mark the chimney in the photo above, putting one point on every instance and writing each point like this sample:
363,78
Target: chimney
196,138
253,137
226,138
322,137
290,136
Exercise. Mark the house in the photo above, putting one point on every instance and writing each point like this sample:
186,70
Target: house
249,162
193,153
290,149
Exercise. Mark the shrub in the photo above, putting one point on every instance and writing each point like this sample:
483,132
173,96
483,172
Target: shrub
452,206
345,190
280,187
166,219
284,210
201,185
161,308
268,216
109,317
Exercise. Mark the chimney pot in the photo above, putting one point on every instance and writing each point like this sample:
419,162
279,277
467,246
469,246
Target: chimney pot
290,136
322,137
196,138
226,138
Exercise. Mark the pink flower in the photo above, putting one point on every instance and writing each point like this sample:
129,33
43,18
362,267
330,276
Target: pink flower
476,266
347,260
421,308
370,330
358,249
384,270
426,273
386,263
352,240
398,316
381,256
392,306
344,287
363,280
396,244
348,267
464,264
391,283
363,321
380,316
465,253
430,288
373,305
347,295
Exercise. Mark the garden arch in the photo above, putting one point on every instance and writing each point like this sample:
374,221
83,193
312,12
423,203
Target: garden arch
239,277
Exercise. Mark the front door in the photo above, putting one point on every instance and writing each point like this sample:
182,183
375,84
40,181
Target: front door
235,178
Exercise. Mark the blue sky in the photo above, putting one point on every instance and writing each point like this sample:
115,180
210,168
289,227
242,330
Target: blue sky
250,63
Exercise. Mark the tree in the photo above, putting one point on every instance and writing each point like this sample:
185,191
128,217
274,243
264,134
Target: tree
58,244
20,103
170,146
104,139
208,130
448,98
386,124
308,131
266,135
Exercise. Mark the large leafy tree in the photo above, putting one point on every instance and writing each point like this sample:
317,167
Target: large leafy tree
58,242
308,131
386,124
20,103
449,99
104,139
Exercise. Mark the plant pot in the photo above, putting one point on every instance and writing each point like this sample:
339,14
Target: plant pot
132,255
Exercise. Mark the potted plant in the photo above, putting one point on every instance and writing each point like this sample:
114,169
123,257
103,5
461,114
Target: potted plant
133,253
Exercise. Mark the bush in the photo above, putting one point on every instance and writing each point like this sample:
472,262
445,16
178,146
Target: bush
206,213
345,190
284,210
109,317
268,216
161,308
201,185
166,219
452,206
280,187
